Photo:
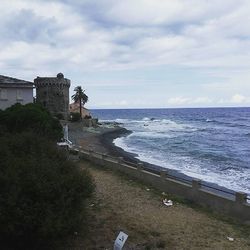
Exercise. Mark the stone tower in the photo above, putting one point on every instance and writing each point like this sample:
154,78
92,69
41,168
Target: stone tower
53,94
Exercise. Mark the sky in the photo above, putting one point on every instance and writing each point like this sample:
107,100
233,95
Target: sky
133,53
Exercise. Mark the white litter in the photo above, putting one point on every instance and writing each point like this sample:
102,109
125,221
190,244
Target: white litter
147,189
230,238
120,241
167,202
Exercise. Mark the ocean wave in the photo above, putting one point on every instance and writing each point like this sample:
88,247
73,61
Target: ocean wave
209,120
154,135
156,127
154,124
232,124
119,120
165,125
230,177
211,156
210,144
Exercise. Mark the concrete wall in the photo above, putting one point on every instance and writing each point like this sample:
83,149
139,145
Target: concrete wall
16,95
236,207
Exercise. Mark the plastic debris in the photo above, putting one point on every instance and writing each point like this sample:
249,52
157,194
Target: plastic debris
91,205
167,202
230,238
147,189
120,241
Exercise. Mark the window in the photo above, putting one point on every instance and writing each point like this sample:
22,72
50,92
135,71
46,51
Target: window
3,94
19,94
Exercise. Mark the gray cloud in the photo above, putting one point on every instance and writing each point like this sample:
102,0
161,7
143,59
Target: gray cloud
120,33
26,26
109,35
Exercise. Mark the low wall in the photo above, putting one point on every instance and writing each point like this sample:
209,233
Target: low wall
236,206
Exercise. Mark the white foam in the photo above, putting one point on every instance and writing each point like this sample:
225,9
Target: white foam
147,128
121,120
119,142
232,178
151,134
160,129
153,125
209,120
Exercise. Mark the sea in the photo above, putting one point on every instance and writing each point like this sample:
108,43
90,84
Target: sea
211,144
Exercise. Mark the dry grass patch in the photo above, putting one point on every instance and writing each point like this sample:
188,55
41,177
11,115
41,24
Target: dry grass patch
121,204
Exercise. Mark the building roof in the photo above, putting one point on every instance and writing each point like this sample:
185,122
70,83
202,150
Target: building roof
7,81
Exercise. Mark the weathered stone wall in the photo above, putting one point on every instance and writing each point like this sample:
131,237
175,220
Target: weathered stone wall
53,94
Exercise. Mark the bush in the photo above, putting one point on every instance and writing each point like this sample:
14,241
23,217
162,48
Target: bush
75,117
59,116
31,117
42,194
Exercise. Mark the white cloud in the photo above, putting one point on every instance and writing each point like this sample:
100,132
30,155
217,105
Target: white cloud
158,12
187,101
178,101
145,32
123,103
240,99
202,100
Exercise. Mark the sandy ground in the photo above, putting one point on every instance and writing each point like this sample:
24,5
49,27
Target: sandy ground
122,204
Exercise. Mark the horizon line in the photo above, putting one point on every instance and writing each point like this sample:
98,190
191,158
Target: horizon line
216,107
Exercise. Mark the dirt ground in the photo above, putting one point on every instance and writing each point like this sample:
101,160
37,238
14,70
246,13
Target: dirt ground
122,204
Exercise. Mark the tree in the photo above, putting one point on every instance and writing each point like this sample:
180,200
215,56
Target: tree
80,97
43,195
30,117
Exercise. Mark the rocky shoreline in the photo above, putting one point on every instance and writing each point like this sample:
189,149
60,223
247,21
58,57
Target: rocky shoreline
100,139
107,139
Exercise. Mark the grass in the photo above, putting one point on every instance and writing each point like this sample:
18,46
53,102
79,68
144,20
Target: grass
123,204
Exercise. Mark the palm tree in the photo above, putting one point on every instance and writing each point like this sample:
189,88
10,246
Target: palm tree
80,97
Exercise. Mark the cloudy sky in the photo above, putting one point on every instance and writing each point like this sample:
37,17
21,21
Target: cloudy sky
133,53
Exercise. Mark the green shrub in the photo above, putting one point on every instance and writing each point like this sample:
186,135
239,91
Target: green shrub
42,194
75,117
31,117
59,116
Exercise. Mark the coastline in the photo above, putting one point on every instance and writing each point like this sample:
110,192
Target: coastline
107,139
100,139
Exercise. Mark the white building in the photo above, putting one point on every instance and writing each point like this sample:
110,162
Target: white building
13,91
